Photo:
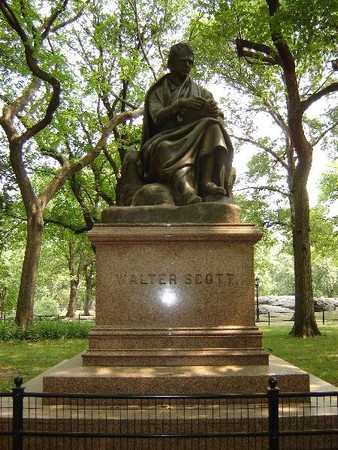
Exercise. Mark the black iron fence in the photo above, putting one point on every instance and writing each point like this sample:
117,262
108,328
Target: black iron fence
263,315
47,317
323,317
271,421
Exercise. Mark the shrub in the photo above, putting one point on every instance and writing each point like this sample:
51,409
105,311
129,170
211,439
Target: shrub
45,330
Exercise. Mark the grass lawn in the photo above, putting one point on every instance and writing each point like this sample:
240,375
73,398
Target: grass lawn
28,359
318,355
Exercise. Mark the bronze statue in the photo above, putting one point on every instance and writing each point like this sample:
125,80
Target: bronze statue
185,145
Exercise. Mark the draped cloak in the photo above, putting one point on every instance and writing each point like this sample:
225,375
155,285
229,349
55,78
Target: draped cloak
187,137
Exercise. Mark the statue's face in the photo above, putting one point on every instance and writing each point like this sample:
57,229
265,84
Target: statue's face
182,65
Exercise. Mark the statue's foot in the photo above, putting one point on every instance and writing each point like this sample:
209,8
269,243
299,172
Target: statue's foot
189,197
211,188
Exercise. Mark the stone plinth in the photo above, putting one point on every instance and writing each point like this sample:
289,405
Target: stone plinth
174,294
175,307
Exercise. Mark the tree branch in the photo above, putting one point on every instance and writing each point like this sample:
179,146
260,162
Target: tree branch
318,95
97,179
54,101
54,154
263,147
51,19
112,164
12,20
334,125
11,110
259,52
286,59
140,40
124,101
67,226
37,71
78,195
67,22
69,169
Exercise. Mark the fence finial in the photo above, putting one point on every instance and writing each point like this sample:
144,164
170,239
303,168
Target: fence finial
272,382
18,382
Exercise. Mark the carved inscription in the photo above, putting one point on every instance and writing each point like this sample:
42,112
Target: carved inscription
219,278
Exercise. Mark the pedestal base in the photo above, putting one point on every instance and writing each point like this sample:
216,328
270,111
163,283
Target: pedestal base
72,376
112,346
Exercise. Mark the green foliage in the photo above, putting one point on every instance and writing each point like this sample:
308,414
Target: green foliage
46,305
104,56
105,60
324,234
311,32
329,185
274,268
45,329
261,124
324,244
10,266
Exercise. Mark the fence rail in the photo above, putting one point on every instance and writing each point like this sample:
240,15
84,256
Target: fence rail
271,421
323,317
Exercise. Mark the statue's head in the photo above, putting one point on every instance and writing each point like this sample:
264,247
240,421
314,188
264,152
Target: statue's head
180,50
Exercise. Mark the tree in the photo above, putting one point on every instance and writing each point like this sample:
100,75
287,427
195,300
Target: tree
27,115
289,48
79,257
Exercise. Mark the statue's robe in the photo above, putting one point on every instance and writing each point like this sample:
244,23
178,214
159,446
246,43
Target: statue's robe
187,137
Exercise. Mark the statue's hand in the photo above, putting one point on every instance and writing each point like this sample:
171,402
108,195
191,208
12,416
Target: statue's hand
193,103
195,108
212,108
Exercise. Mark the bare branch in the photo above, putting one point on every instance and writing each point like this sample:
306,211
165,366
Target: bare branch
264,188
140,39
263,147
324,133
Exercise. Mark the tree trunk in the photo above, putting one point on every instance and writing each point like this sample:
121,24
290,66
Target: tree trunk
3,294
304,319
72,298
25,304
89,288
304,323
74,282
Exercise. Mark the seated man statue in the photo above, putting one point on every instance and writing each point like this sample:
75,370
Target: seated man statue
184,144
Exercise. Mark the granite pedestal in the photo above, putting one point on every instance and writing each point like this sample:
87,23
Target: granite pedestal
174,306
